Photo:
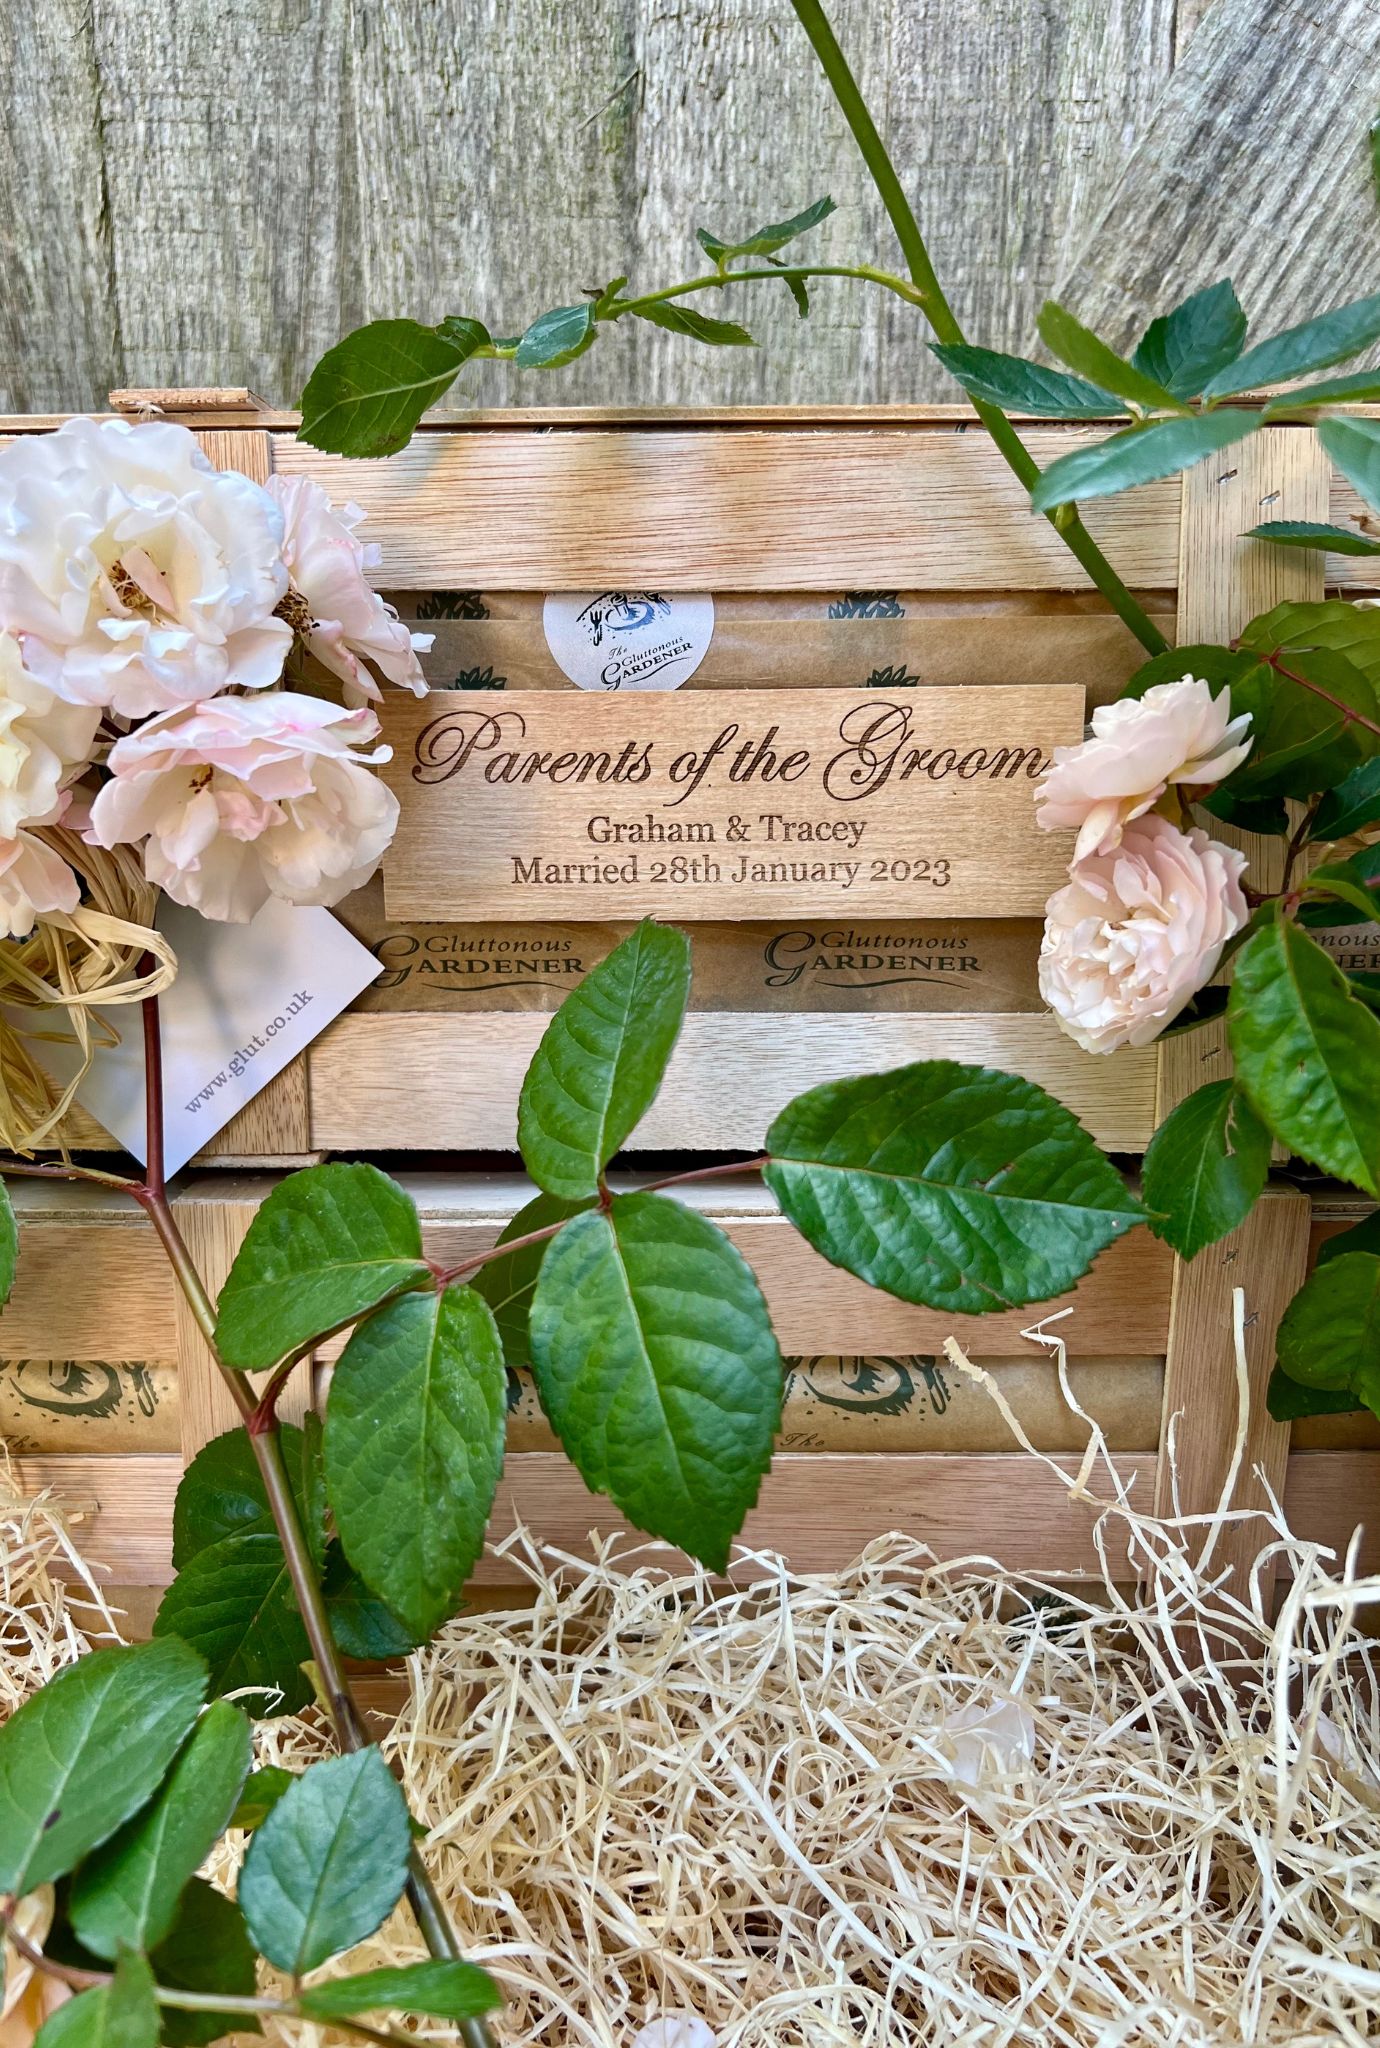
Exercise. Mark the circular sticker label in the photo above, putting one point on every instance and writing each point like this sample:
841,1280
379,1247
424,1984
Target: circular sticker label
628,639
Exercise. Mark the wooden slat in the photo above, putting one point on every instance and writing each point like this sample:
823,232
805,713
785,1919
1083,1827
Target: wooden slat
1267,1258
747,511
430,1081
820,1510
91,1277
1122,1307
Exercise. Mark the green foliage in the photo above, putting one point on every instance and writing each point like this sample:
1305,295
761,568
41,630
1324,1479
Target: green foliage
1183,349
1205,1167
766,241
1081,349
329,1863
1354,445
234,1603
327,1244
126,1894
361,1624
414,1447
1307,1052
1287,1400
1209,662
444,1988
601,1059
9,1244
208,1951
262,1791
87,1751
1329,1336
507,1283
1021,386
367,394
954,1186
696,326
657,1364
1353,804
1313,345
121,2014
1310,533
556,338
1139,455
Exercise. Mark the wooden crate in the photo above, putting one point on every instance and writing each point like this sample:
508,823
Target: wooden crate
93,1287
907,528
786,516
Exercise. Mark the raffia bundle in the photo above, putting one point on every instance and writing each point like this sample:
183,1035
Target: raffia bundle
102,955
906,1803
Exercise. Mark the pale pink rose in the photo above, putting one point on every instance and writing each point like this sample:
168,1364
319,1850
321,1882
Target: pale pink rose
1177,732
137,576
34,879
1134,934
250,797
349,622
44,744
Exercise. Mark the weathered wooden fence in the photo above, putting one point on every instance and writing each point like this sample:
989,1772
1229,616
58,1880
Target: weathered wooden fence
200,193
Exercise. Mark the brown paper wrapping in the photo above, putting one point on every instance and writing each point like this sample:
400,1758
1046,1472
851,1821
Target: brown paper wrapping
922,1404
814,964
88,1405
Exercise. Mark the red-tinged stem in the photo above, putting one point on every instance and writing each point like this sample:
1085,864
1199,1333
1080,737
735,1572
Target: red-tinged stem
35,1169
1350,716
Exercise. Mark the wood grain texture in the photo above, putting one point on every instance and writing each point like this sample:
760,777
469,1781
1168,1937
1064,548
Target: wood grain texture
753,510
92,1281
1267,1259
820,1510
1253,166
425,1081
296,169
845,803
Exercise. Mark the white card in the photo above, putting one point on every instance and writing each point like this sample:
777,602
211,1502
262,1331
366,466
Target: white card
247,999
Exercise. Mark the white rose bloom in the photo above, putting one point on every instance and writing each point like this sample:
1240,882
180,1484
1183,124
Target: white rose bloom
343,620
33,879
250,797
136,576
44,744
1134,934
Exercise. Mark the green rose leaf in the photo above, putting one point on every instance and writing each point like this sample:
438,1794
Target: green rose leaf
556,338
766,241
1205,1167
1287,1400
1021,386
1139,455
1346,890
1313,345
86,1752
1182,349
262,1791
443,1988
1330,626
1307,1053
1310,533
208,1951
1329,1335
235,1604
1354,803
360,1623
657,1364
1362,1237
1303,741
507,1283
1209,662
601,1059
1266,815
126,1894
328,1244
9,1244
367,394
414,1447
1358,387
121,2014
1354,445
696,326
222,1494
1082,350
950,1185
328,1865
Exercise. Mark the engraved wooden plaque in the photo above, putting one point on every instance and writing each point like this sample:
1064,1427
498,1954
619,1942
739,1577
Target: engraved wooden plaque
538,804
